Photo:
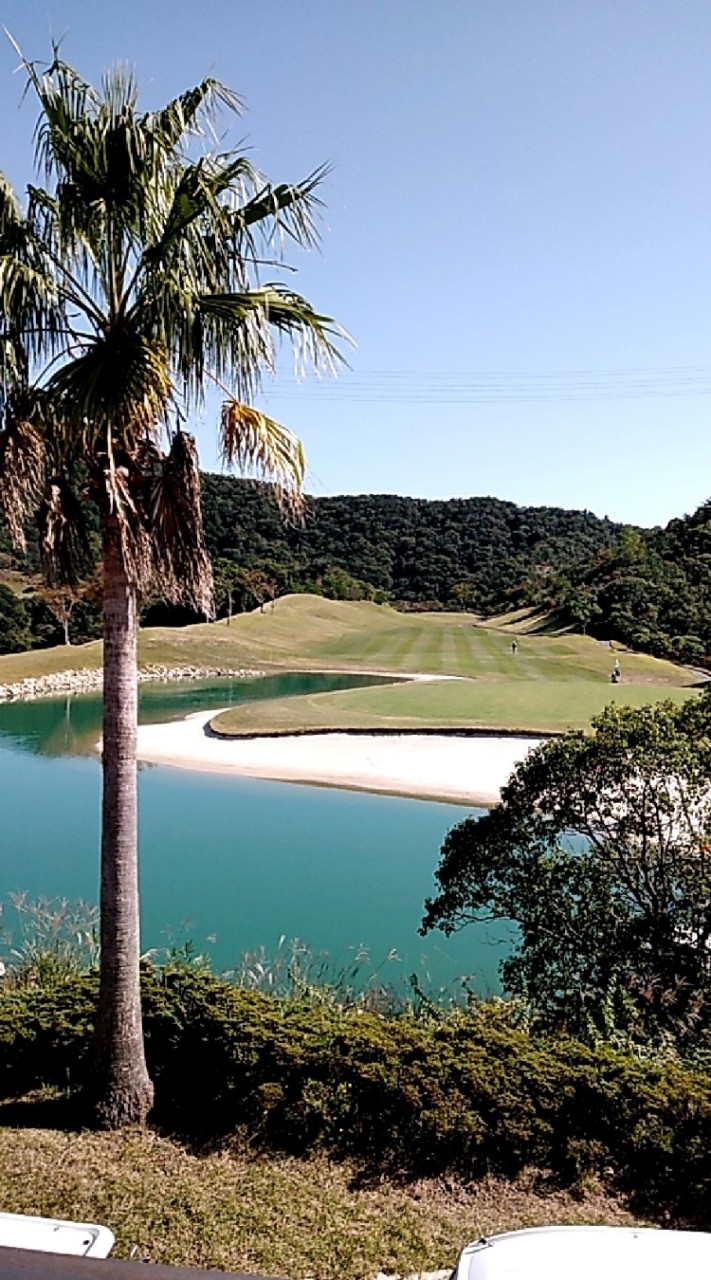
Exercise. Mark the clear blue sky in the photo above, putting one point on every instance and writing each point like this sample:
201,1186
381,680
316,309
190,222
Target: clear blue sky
518,232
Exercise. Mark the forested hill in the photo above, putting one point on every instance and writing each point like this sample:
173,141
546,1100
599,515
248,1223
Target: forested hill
650,589
466,552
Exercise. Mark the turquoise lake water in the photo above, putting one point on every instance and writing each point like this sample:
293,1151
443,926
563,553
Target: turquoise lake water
234,864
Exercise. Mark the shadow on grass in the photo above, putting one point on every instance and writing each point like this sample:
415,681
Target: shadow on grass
43,1110
548,624
534,622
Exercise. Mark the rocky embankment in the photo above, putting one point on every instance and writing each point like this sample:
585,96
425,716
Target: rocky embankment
91,680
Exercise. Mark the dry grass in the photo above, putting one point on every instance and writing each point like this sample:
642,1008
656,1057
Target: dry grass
283,1217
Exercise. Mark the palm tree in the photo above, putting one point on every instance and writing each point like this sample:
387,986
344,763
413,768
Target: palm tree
127,283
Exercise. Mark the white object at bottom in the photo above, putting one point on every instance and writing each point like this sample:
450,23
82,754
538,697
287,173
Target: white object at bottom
588,1253
52,1235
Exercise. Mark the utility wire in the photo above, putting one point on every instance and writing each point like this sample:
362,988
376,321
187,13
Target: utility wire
500,386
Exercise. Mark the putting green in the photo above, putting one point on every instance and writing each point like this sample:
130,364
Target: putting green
527,706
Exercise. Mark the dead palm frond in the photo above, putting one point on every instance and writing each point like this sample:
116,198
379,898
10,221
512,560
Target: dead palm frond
64,543
256,444
181,564
22,459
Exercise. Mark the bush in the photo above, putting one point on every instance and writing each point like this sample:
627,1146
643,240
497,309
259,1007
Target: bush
461,1092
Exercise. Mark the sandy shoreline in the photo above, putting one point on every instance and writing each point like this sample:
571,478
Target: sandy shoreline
435,767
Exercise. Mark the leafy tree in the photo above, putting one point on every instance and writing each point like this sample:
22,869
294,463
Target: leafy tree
338,584
228,579
600,852
260,586
125,284
463,595
582,607
61,602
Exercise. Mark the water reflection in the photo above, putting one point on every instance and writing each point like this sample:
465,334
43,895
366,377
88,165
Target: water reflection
71,725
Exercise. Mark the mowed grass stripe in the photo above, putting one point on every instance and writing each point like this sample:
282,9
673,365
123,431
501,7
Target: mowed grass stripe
307,633
375,648
448,649
483,658
388,648
407,654
463,652
429,649
495,657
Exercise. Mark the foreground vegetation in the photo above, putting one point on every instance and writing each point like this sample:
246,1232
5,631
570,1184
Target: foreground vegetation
420,1093
599,853
272,1215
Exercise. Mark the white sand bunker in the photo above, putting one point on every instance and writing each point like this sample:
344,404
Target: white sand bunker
428,765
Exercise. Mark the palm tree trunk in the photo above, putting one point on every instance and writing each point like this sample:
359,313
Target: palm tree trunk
124,1093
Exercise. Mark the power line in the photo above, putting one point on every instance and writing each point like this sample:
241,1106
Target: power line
503,386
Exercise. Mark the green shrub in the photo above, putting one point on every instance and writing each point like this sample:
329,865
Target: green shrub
461,1092
45,1035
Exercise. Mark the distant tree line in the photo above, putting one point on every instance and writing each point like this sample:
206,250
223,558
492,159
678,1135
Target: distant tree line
470,553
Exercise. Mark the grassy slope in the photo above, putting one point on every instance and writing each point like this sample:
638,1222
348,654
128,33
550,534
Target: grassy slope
552,682
305,631
281,637
274,1217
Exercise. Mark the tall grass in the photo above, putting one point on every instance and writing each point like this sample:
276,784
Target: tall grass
45,941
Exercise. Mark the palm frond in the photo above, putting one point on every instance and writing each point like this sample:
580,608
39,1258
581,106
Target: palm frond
183,116
11,217
69,104
118,385
22,458
31,307
181,563
65,549
243,323
196,195
288,209
257,445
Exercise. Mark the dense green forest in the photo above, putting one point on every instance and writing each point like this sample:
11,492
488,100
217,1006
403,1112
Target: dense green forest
465,552
650,589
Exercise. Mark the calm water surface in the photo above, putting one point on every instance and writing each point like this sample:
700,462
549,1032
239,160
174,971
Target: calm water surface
234,864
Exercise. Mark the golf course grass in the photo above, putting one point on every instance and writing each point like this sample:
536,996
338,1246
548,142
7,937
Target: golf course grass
522,705
552,682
